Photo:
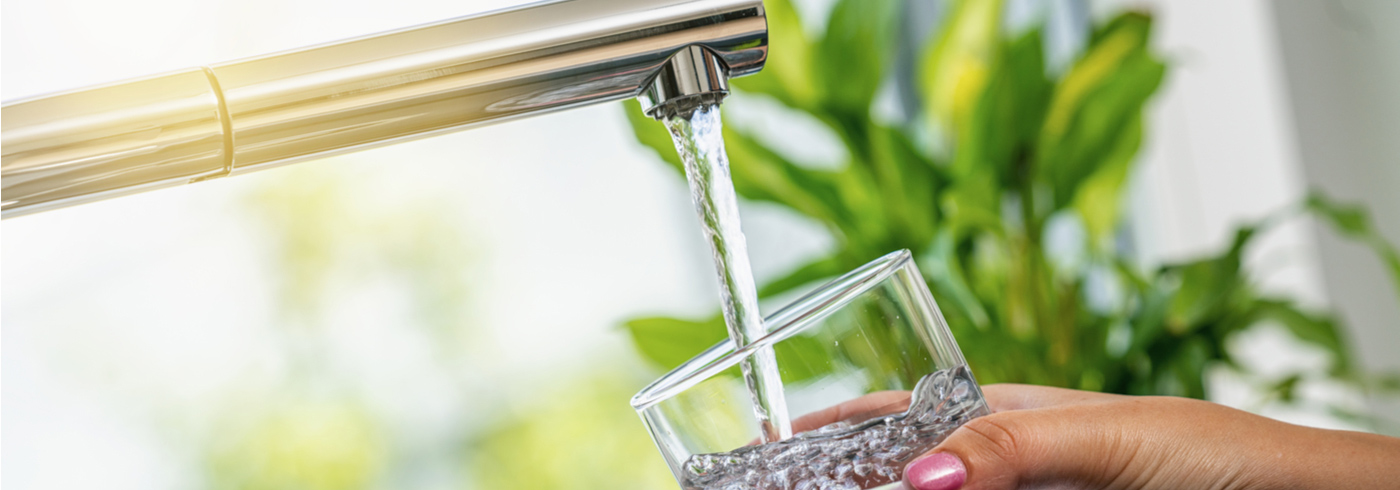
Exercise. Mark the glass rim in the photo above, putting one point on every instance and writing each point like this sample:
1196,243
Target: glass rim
784,323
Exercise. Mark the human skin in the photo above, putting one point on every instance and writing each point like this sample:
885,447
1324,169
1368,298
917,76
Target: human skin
1040,437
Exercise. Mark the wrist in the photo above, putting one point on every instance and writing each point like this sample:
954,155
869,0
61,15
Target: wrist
1325,459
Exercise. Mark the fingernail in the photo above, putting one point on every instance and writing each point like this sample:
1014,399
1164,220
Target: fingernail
938,471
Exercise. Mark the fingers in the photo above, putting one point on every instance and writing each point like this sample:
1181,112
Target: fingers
991,449
1000,397
1007,450
1007,396
855,411
937,471
1101,441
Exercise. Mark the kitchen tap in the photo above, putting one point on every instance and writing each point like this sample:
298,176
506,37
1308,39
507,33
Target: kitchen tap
241,116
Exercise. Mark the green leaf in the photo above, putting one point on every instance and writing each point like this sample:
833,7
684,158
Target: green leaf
909,184
1122,38
1099,98
941,268
852,58
1286,389
998,136
758,172
1386,382
787,74
973,203
955,66
762,174
669,342
1098,198
1207,286
1355,222
815,270
1319,330
802,358
1184,366
1130,274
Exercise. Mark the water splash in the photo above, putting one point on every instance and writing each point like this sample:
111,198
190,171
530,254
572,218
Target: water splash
844,456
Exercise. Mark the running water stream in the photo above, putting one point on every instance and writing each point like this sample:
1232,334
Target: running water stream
699,141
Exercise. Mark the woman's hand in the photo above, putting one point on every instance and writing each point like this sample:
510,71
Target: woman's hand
1039,437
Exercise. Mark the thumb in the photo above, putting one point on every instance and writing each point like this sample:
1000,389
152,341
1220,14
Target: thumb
1007,450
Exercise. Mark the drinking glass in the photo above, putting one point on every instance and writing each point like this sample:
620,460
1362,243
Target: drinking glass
850,355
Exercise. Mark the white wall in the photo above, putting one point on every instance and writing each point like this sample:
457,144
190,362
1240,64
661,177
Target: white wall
1341,60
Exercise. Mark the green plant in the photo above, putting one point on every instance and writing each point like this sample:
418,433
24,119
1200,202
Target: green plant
1012,150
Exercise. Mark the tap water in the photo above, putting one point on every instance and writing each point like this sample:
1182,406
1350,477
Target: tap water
844,456
699,141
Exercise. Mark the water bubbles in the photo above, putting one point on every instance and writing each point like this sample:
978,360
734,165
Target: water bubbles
863,468
842,456
830,428
791,454
887,473
752,477
843,470
780,479
844,484
960,390
899,452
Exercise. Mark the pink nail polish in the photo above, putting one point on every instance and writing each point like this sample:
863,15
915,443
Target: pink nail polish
938,471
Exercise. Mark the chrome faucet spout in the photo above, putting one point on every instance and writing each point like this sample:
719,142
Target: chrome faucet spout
694,76
241,116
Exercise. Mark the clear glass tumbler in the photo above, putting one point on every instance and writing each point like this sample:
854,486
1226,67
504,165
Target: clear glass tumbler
871,375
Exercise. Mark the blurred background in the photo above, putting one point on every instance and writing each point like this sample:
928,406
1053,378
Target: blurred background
451,312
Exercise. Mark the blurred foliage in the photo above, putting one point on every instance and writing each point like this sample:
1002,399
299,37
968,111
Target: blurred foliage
319,423
584,437
304,446
1009,187
325,237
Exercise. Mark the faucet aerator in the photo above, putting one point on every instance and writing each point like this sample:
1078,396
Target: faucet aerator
694,76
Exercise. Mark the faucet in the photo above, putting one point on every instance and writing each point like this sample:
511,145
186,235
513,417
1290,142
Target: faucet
242,116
